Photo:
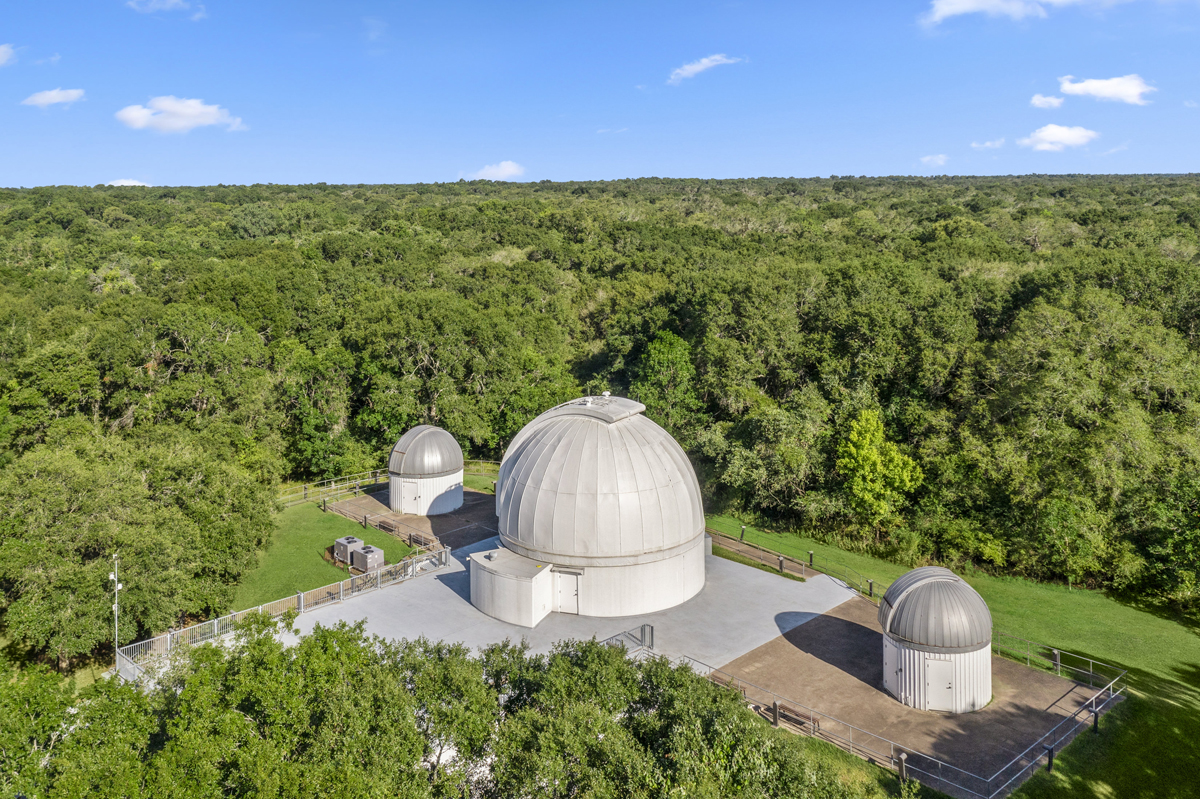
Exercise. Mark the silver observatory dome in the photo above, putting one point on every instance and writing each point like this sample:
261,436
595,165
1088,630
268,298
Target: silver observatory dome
594,482
425,451
932,609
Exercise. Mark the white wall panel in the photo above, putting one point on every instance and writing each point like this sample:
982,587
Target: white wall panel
908,679
434,495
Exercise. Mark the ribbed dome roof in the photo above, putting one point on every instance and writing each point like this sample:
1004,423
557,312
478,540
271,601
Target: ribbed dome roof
594,482
933,609
425,451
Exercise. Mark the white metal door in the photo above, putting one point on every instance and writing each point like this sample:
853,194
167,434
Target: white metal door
568,593
408,492
939,685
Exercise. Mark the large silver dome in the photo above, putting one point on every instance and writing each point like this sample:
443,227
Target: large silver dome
934,610
425,451
594,482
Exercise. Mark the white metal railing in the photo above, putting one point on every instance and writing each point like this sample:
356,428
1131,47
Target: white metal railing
355,484
929,770
134,659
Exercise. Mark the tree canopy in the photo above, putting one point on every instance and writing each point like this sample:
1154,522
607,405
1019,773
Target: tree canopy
1029,344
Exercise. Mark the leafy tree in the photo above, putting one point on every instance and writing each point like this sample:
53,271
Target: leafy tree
877,473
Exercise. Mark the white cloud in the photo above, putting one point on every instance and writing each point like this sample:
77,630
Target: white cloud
501,171
147,6
7,54
1190,104
1042,101
53,97
54,59
1125,89
696,67
172,114
376,28
1056,138
201,13
988,145
127,182
934,160
940,10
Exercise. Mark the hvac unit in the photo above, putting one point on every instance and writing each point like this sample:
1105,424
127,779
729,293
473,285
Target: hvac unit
344,546
367,558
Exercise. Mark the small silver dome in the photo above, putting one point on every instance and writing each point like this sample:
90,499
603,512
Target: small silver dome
425,451
594,482
934,610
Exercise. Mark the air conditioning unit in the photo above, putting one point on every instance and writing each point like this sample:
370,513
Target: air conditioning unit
367,558
344,546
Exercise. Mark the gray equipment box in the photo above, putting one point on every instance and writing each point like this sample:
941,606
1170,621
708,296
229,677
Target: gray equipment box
344,546
367,558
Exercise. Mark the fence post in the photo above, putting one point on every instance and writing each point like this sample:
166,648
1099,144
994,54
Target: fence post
781,564
1057,662
324,500
810,557
1095,721
300,601
341,594
364,520
306,493
378,579
743,538
903,767
1049,758
871,588
775,714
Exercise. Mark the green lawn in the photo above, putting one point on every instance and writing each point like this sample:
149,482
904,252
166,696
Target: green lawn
737,557
293,561
1150,744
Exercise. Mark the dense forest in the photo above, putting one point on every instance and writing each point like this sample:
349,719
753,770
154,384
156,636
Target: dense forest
999,372
344,715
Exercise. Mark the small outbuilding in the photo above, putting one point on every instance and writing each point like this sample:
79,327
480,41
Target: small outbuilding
425,472
937,642
599,514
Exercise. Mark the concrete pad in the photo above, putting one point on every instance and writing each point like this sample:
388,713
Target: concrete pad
835,666
739,609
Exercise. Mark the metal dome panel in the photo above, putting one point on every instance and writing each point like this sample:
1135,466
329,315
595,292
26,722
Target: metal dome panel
425,451
597,483
934,610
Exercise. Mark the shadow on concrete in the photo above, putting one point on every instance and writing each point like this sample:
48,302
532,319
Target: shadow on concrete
791,619
846,645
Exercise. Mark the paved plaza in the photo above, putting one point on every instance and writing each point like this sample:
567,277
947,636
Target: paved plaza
835,665
739,609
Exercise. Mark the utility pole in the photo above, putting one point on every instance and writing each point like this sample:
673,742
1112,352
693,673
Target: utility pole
114,576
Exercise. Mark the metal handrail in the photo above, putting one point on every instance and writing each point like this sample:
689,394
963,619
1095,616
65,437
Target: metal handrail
871,589
354,483
132,659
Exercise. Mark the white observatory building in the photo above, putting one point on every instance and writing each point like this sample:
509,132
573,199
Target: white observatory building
937,642
425,472
599,515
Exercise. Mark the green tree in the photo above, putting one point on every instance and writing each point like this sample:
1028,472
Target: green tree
877,474
665,384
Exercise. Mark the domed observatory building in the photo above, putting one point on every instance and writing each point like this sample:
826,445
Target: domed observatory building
599,515
425,472
937,642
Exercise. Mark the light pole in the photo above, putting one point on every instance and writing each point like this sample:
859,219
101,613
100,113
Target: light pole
114,576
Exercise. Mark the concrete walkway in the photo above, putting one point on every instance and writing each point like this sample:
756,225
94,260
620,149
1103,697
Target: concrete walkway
740,609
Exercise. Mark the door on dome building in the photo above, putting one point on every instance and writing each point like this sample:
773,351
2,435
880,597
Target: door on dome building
408,496
939,685
568,592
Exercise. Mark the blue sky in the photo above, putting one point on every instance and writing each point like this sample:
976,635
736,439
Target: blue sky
173,92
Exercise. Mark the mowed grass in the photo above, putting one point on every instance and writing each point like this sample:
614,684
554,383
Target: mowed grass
293,560
737,557
1149,745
